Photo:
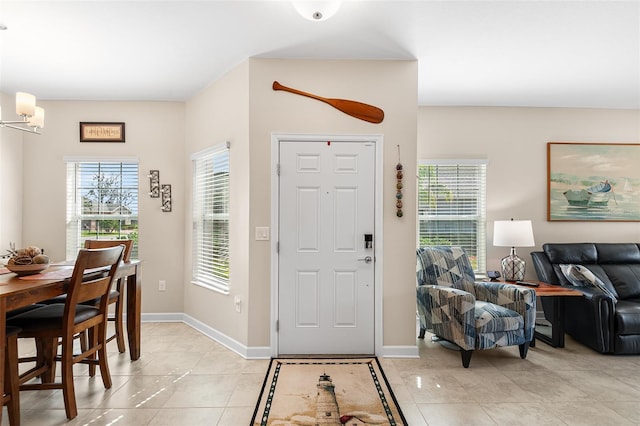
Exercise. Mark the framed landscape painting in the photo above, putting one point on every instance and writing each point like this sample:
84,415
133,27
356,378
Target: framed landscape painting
593,182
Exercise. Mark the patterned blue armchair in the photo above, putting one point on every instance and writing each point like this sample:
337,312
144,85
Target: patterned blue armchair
472,315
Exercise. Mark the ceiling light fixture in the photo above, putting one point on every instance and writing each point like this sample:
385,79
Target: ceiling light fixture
317,10
32,115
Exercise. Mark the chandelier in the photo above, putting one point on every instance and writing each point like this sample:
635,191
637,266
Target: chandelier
32,115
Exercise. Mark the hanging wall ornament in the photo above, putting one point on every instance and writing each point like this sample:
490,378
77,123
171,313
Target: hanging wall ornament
399,176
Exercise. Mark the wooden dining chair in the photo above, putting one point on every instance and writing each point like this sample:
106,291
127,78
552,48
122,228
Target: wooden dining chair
61,322
116,295
11,395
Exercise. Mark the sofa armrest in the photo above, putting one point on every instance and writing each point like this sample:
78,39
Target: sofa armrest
590,319
435,305
517,298
590,293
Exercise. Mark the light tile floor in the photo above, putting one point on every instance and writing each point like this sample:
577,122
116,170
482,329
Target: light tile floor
185,378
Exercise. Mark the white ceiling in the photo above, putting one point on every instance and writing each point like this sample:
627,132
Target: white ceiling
496,53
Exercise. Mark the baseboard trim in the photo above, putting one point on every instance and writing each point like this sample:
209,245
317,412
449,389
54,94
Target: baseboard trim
255,352
400,352
244,351
164,317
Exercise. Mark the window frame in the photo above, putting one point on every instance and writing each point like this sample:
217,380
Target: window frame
218,276
75,216
479,218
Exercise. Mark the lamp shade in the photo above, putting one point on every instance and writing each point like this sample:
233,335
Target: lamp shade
25,104
38,118
513,233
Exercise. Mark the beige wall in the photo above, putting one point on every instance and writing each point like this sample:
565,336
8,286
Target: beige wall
390,85
514,140
217,114
10,178
155,135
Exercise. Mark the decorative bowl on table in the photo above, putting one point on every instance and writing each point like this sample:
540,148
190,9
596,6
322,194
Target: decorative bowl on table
27,261
22,270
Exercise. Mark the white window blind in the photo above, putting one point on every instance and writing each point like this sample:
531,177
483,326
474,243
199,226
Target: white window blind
211,218
452,206
102,202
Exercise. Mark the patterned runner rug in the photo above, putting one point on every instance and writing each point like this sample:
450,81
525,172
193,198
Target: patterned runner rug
326,391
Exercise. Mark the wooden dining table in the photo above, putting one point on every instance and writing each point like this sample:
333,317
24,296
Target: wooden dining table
17,292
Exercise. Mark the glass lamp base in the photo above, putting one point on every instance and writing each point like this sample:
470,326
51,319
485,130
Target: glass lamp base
513,268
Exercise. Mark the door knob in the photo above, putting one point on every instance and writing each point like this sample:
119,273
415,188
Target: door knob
366,259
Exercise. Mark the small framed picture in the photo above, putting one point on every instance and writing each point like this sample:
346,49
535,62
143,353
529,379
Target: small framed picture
101,132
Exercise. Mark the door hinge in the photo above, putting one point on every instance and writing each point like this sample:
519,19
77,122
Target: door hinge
278,247
277,325
278,169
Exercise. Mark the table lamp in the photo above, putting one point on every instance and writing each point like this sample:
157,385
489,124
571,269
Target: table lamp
513,233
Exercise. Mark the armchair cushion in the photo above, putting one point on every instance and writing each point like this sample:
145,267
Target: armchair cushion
519,299
490,318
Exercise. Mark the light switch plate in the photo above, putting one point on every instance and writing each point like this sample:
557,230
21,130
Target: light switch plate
262,233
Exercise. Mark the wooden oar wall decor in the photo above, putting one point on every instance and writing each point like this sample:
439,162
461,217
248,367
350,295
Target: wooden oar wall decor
355,109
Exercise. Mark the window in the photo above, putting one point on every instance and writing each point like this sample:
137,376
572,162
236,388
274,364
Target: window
102,202
452,206
211,218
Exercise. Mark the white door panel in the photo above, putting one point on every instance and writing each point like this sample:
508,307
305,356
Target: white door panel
326,295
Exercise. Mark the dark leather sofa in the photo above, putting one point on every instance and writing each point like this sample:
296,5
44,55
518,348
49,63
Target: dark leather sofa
596,320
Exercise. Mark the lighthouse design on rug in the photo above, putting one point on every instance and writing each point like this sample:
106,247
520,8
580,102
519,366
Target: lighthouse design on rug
327,412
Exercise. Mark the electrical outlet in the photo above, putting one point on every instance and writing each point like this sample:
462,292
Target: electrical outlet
162,285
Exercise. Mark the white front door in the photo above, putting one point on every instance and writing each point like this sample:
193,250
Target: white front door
326,271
